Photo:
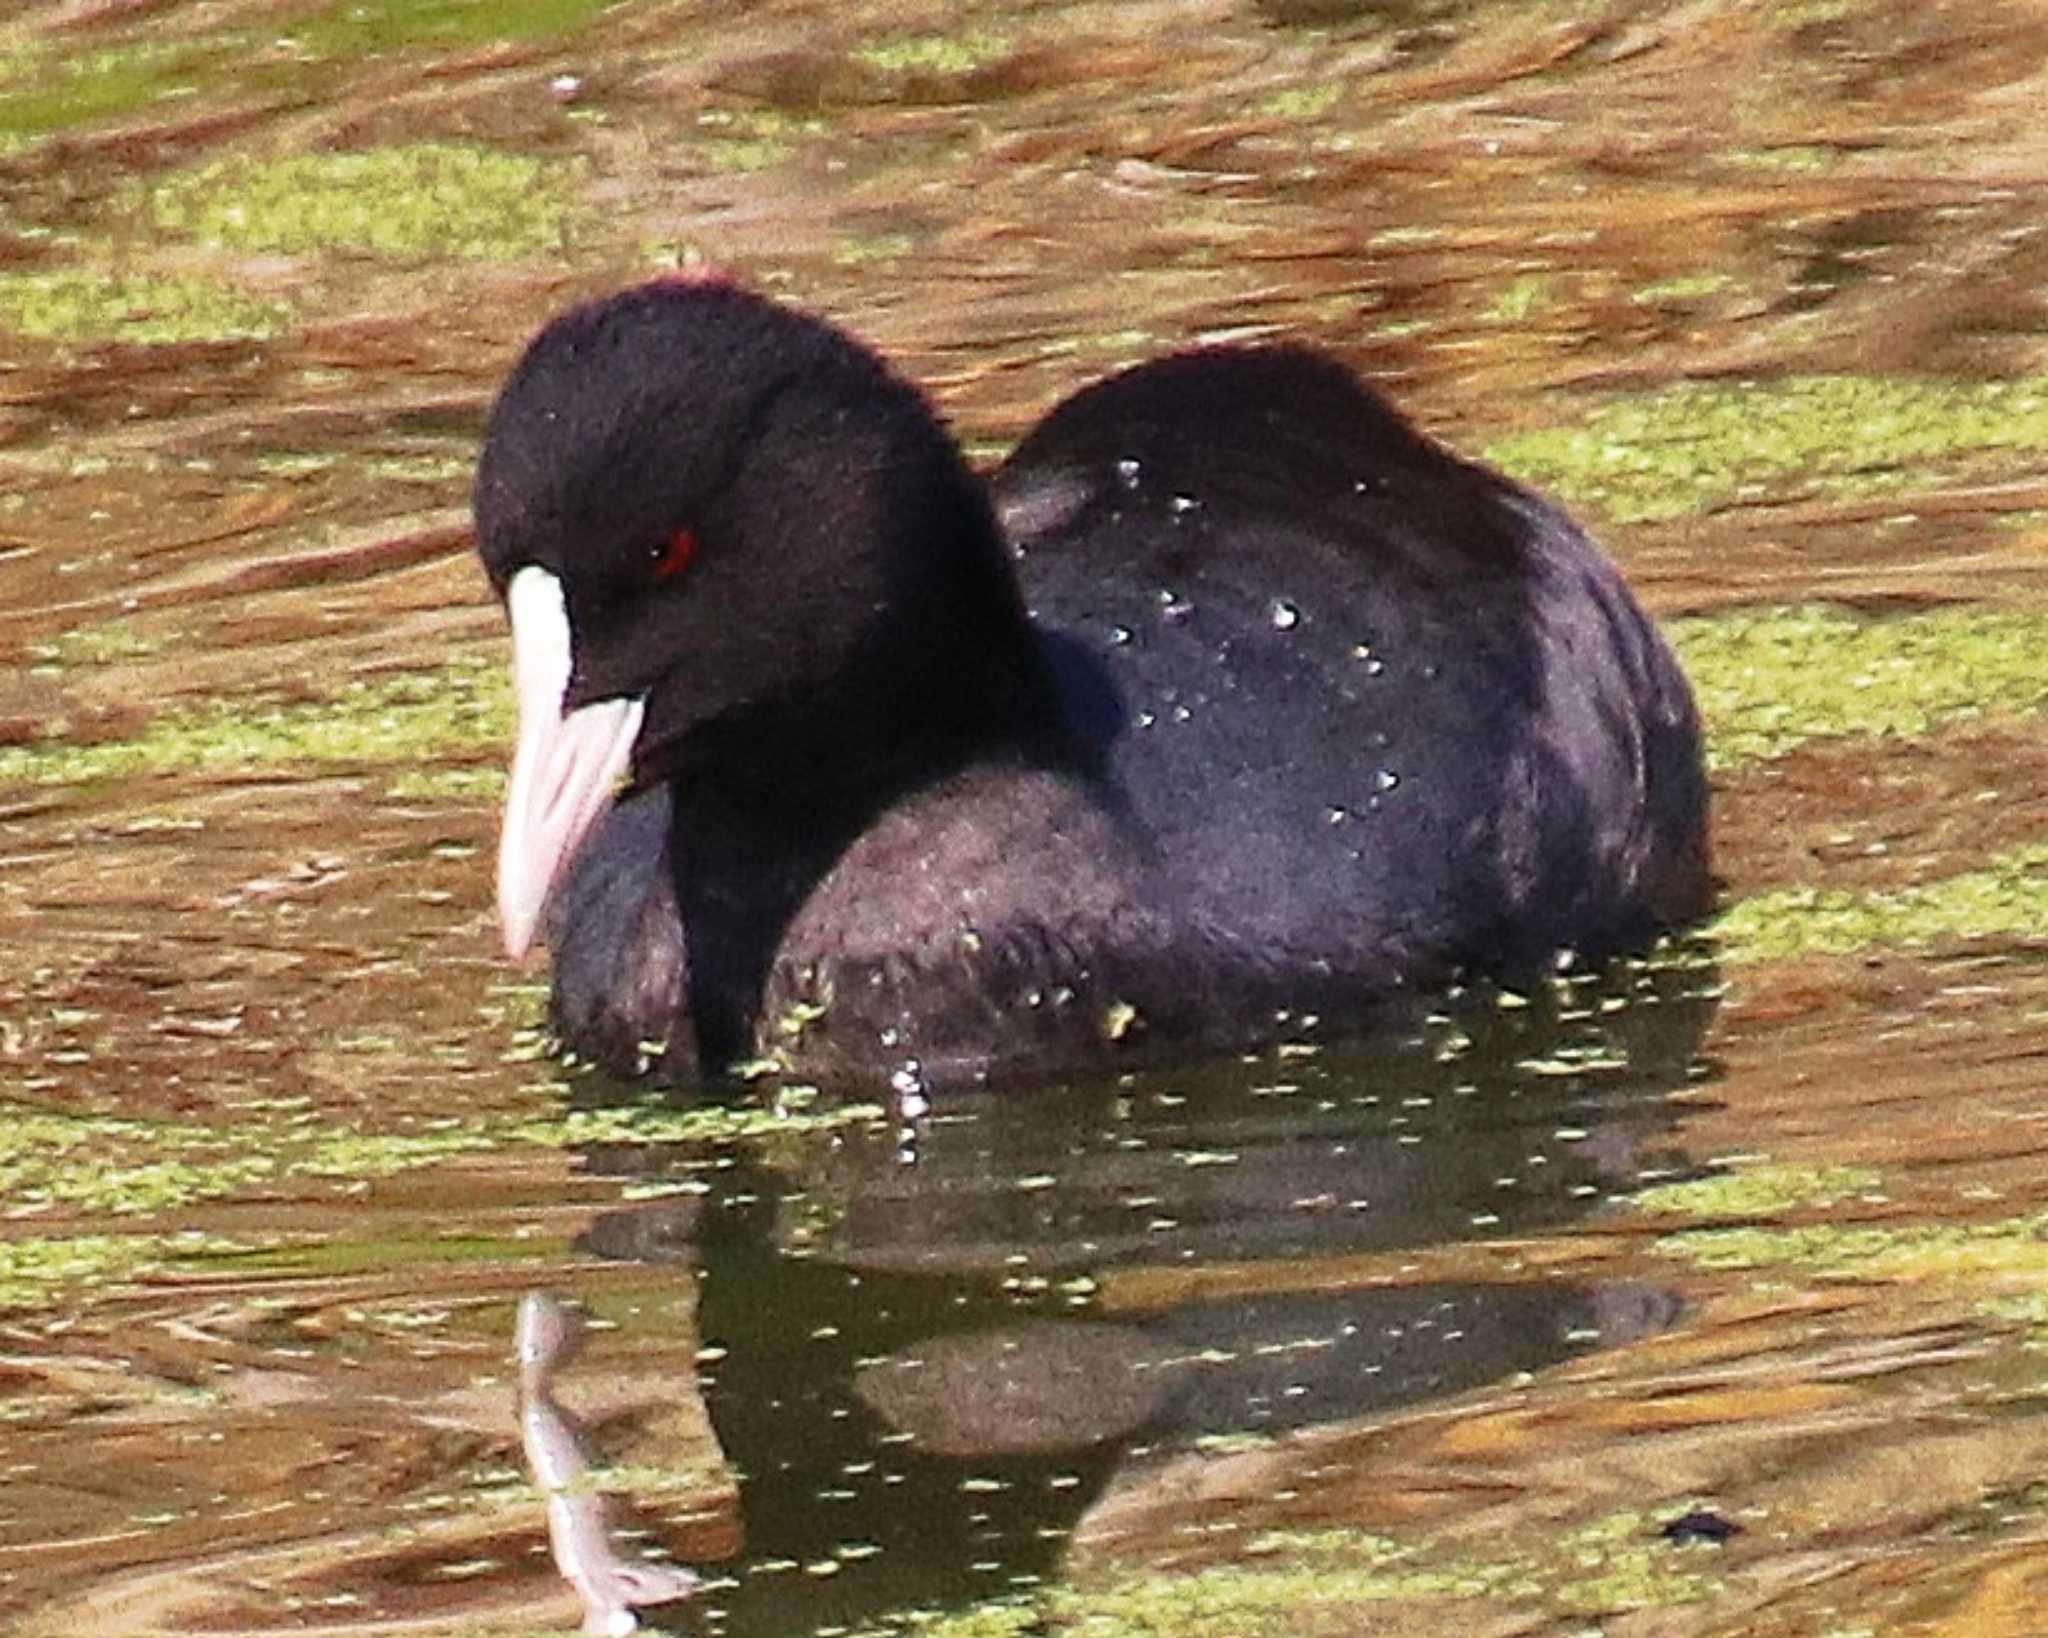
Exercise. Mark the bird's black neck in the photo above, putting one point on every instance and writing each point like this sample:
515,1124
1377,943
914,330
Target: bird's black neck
768,799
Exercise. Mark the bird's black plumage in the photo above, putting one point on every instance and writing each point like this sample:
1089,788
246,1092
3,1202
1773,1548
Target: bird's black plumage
1231,693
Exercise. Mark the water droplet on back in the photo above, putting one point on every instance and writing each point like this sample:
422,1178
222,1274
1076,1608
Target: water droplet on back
1285,615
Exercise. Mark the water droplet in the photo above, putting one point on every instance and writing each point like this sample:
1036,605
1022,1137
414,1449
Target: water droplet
907,1081
1285,615
1172,606
1430,670
892,1036
1127,472
1146,719
1374,667
1385,779
1361,651
1183,504
1337,816
1181,713
1119,634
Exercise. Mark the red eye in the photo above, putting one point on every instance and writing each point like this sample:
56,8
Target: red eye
676,556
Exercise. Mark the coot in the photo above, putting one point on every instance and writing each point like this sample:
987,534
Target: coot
1230,699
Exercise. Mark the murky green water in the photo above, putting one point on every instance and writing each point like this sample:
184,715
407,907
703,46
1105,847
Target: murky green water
1433,1334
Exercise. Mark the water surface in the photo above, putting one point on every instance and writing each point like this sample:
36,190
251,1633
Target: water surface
1439,1331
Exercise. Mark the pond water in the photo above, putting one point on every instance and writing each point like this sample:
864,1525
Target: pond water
1440,1330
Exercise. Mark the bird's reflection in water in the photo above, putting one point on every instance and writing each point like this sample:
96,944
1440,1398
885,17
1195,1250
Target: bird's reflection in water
611,1587
936,1344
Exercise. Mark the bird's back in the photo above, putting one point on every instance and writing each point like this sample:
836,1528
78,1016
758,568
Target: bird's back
1375,706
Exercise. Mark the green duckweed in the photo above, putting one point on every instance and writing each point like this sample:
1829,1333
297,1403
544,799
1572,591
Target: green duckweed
1693,447
42,91
933,53
1315,1581
1771,679
1758,1191
420,202
79,306
2006,899
2011,1246
358,26
464,706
